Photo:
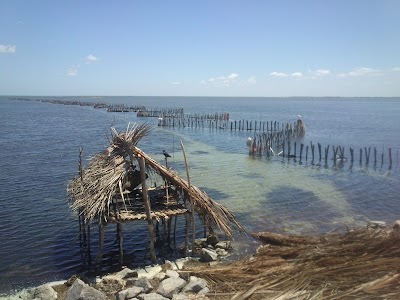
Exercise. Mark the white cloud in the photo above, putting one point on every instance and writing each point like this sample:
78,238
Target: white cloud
278,74
73,71
176,83
221,80
396,69
360,72
91,58
320,73
297,74
8,48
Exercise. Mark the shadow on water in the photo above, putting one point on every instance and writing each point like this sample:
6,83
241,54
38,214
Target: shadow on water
293,210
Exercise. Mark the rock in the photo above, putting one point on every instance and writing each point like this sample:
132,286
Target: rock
195,285
172,274
180,296
204,291
43,292
171,286
127,273
160,276
129,293
208,255
200,242
226,245
142,282
80,290
151,296
221,252
149,272
212,240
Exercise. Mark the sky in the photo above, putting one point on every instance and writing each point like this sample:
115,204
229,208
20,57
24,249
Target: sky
200,48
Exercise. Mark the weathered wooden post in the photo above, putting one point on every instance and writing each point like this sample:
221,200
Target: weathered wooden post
319,151
326,154
352,155
190,198
374,155
306,152
360,156
147,207
301,150
390,158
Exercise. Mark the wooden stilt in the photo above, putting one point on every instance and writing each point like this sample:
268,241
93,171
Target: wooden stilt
147,208
99,256
190,198
121,243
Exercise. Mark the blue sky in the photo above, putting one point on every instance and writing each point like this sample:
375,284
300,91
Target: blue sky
200,48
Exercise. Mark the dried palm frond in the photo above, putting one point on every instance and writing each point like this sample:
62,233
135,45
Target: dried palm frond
93,194
363,264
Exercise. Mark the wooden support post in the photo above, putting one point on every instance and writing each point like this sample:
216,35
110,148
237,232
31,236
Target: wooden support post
283,150
121,243
99,256
390,158
191,200
374,155
352,155
301,150
147,208
319,151
326,154
306,152
294,150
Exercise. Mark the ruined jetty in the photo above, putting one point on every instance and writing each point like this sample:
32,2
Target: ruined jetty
114,189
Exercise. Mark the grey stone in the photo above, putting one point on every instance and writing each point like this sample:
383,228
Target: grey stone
172,274
160,276
151,296
377,224
180,296
195,285
204,291
129,293
80,290
208,255
221,252
127,273
226,245
75,290
43,292
142,282
171,286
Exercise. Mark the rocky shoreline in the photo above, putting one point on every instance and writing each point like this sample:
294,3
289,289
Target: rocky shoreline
158,282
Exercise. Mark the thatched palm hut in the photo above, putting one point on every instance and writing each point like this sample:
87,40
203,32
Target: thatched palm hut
112,189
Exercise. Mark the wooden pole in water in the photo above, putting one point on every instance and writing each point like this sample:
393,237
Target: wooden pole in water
390,158
360,156
352,155
319,151
326,153
121,243
99,256
190,198
306,152
301,150
147,208
374,155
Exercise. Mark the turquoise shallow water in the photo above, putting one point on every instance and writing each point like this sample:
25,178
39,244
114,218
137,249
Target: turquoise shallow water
40,143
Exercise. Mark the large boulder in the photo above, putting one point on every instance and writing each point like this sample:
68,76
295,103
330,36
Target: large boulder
142,282
81,291
207,255
171,286
43,292
195,285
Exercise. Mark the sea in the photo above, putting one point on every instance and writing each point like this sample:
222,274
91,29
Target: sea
39,154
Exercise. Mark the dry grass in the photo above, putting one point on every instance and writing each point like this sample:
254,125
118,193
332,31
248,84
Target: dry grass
363,264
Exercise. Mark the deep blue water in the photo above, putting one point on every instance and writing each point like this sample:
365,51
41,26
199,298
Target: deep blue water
40,143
